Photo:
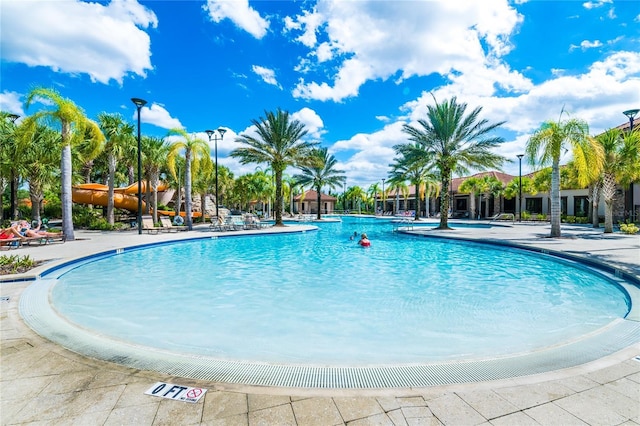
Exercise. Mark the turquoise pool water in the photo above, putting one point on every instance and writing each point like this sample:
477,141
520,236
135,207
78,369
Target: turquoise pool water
318,298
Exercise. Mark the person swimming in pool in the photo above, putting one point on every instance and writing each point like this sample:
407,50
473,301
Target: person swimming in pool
364,241
354,236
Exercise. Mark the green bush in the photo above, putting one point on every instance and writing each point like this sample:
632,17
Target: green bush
629,228
15,264
570,219
525,215
582,219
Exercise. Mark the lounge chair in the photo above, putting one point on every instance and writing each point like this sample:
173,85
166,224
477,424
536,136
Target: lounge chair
11,243
217,223
149,226
170,227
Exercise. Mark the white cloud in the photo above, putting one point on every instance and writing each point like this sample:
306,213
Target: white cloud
267,75
158,116
586,44
366,47
105,42
595,4
312,121
240,13
308,23
10,102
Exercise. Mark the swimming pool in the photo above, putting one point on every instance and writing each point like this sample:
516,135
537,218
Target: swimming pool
316,298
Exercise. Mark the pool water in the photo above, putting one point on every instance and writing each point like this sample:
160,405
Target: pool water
318,298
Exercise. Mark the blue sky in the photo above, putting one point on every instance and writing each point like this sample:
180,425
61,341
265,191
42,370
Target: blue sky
354,71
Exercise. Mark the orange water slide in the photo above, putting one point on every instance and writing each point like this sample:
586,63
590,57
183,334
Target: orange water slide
98,194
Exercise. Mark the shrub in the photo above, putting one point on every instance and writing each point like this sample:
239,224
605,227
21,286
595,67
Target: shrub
629,228
15,264
525,215
582,219
570,219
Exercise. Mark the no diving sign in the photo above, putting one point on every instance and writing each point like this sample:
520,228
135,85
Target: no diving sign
177,392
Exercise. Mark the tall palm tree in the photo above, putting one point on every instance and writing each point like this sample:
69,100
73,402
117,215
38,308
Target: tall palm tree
39,150
358,195
413,165
372,192
154,159
204,183
322,172
491,186
279,143
472,186
119,135
621,165
456,142
74,127
546,146
10,161
194,150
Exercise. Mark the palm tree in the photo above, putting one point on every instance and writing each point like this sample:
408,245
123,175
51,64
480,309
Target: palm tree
74,125
38,151
411,164
10,161
491,185
155,157
194,150
356,194
204,182
119,135
512,190
321,173
472,186
621,165
279,144
372,193
455,143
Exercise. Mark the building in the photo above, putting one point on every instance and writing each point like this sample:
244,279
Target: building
307,203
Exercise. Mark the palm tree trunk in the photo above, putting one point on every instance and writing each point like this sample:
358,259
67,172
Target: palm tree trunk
608,192
472,204
112,173
595,201
187,190
417,195
203,203
279,199
319,200
444,200
36,196
65,171
555,199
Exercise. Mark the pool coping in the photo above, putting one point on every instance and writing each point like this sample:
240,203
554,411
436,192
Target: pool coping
38,313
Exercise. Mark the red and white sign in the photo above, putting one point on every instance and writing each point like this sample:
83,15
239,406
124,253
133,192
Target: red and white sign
177,392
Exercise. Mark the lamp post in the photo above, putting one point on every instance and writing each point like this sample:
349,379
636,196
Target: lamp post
14,184
139,103
520,187
213,133
631,113
344,197
382,196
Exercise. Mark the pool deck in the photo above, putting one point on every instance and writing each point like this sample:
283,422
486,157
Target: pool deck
43,383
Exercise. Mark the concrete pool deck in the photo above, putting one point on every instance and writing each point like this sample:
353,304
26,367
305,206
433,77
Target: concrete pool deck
43,383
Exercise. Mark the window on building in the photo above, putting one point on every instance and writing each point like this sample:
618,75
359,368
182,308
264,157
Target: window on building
533,205
461,204
581,206
563,206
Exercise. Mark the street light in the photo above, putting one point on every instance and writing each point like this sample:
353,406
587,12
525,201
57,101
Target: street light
382,196
520,187
139,103
344,197
631,113
213,133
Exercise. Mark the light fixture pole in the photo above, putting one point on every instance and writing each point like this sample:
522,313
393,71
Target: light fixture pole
631,113
520,187
139,103
213,133
14,185
344,197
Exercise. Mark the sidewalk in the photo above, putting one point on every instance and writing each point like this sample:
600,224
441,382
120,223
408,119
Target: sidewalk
43,383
